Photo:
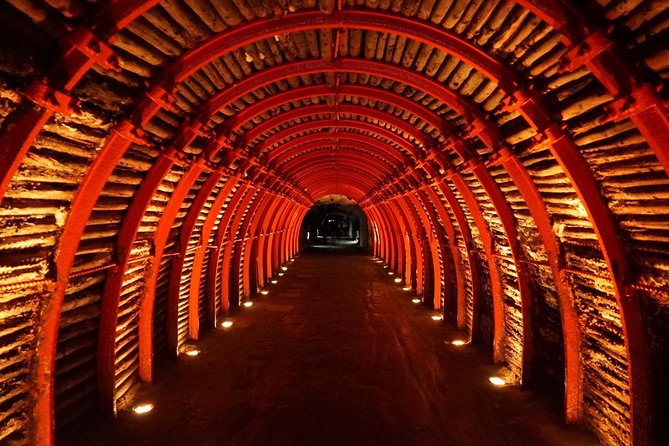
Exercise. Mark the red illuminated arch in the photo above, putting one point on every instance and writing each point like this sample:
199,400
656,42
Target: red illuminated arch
636,354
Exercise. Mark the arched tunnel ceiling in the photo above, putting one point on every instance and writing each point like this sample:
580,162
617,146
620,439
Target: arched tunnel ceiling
518,148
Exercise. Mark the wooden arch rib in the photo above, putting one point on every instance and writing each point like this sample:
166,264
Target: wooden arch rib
507,221
562,148
517,173
275,159
502,208
191,134
339,125
334,159
630,322
327,183
343,137
324,109
332,146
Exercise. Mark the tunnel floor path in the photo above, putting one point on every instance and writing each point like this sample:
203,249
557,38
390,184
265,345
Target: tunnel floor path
336,354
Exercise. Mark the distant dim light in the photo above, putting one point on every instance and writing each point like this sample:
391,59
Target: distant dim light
390,273
143,408
398,280
280,274
248,304
285,268
226,324
275,281
193,352
496,380
264,292
292,260
416,300
437,317
458,342
407,288
385,266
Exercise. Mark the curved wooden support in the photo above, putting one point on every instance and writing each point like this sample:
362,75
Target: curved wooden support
146,309
393,246
625,78
341,125
266,247
245,210
343,156
176,273
286,235
466,234
282,236
413,271
114,283
254,248
429,195
434,250
586,188
239,199
244,242
205,235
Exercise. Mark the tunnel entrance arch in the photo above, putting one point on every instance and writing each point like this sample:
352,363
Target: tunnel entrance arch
334,220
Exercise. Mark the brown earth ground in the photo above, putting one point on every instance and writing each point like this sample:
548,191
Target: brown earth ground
336,354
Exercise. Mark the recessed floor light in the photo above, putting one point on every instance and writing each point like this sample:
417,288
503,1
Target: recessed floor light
458,342
248,304
398,280
496,380
226,324
416,300
437,317
264,292
143,408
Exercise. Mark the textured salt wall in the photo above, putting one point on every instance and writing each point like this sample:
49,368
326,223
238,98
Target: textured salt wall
627,174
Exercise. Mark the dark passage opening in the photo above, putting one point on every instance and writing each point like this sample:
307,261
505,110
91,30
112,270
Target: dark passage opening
334,221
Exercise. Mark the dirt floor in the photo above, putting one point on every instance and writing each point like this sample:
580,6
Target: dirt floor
336,354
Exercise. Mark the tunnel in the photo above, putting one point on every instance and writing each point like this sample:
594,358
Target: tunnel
491,175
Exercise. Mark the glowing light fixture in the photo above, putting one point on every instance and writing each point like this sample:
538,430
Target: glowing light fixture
437,317
280,274
248,304
226,324
416,300
275,281
390,273
264,292
458,342
407,288
385,266
497,381
143,408
193,352
398,280
285,268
